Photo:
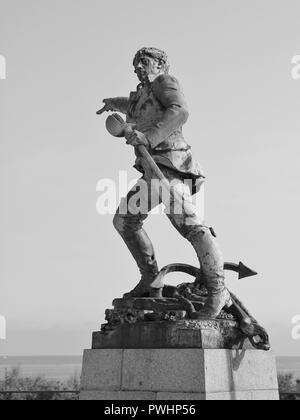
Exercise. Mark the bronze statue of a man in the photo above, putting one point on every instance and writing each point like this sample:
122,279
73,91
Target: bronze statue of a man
158,111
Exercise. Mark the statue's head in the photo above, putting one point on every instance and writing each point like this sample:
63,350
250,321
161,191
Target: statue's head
149,63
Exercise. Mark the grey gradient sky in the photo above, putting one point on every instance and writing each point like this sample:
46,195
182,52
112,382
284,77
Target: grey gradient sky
61,264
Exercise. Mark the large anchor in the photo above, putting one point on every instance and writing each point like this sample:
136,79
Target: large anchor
256,334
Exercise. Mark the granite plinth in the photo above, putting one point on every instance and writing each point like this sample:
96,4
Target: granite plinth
178,374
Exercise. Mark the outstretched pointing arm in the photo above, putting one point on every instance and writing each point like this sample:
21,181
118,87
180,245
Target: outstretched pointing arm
119,104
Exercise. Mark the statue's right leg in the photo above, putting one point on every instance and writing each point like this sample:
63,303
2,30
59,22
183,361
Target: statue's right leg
184,216
128,221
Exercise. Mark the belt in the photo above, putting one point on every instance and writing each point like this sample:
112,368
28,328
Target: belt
172,149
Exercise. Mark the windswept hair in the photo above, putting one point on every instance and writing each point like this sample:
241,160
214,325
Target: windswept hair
155,53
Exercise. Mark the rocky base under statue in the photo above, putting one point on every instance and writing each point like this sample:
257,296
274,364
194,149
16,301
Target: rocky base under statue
169,320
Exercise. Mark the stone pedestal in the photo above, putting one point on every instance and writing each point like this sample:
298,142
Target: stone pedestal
151,349
178,374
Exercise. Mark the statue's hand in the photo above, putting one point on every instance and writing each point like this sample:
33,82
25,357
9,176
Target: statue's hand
136,138
109,103
108,106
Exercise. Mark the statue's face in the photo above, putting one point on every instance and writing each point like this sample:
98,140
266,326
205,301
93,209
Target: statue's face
147,69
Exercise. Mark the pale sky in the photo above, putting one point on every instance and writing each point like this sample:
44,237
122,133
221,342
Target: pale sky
62,264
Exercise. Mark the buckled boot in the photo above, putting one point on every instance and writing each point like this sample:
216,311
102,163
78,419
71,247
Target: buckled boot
141,248
212,264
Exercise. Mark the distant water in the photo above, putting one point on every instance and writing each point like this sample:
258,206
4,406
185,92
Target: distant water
62,368
58,368
289,365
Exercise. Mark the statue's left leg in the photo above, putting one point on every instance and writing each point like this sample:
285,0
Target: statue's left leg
129,222
187,221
